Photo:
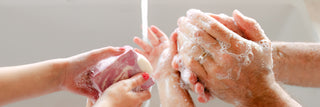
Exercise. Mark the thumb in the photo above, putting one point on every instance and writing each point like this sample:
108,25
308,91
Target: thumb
173,42
136,80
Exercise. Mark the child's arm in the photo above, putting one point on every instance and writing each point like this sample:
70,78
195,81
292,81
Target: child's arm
32,80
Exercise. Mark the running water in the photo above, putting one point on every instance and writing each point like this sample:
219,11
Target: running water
144,16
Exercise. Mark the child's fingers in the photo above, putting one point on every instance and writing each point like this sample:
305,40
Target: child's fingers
161,35
141,52
173,43
145,46
153,38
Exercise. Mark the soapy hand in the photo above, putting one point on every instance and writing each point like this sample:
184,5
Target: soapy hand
121,94
233,63
78,70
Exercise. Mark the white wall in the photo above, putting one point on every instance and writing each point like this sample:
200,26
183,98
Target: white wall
37,30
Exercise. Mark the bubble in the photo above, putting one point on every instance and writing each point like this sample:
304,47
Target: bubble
221,76
185,75
280,54
264,43
246,62
243,59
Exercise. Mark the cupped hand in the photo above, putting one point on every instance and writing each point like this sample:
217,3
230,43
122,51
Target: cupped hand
121,94
236,61
78,70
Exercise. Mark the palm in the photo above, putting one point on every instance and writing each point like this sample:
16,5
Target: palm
158,53
78,73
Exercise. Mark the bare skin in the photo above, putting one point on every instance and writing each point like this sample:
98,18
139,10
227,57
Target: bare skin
297,63
238,68
160,53
120,94
294,63
71,74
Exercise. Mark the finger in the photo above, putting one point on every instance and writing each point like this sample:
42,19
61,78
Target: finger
199,89
203,99
173,43
153,38
213,27
136,80
193,79
186,51
188,77
161,36
228,22
174,49
203,96
209,44
249,27
198,36
141,95
145,46
140,52
105,52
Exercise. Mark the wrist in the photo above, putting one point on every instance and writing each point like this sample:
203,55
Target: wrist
59,71
166,74
271,95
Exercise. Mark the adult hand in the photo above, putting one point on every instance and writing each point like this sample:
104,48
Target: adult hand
235,68
121,94
77,70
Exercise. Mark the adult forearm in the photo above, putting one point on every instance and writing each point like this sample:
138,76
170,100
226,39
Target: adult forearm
297,63
270,96
172,94
26,81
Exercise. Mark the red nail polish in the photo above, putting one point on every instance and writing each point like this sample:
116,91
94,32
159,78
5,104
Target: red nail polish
145,76
122,48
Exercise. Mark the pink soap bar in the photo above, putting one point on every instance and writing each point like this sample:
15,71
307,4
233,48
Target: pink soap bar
114,69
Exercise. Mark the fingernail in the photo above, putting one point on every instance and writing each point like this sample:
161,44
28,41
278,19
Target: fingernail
145,76
122,48
154,29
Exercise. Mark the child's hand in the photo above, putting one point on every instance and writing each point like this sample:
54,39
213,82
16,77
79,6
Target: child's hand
160,53
121,94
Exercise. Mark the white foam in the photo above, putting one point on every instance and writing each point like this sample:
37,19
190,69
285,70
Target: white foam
243,59
185,75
